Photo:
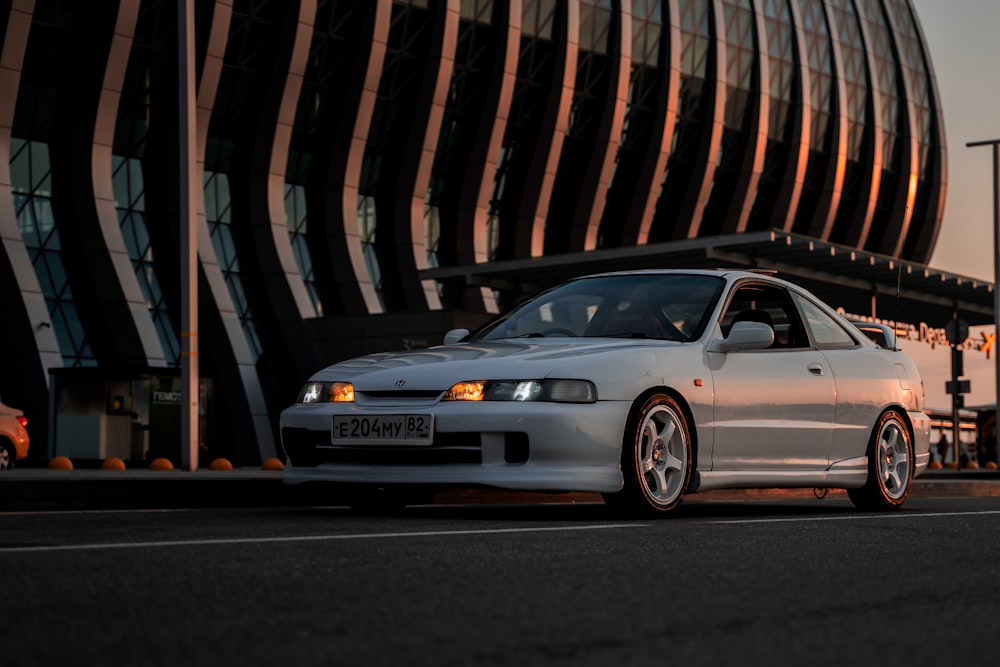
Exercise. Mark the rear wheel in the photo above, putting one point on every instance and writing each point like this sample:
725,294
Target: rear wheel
6,456
890,466
656,459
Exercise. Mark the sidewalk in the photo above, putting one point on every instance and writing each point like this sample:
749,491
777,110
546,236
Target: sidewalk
30,489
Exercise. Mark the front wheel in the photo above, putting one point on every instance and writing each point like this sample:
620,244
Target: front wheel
890,466
656,459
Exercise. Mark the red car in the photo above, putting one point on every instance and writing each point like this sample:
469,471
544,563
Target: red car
14,438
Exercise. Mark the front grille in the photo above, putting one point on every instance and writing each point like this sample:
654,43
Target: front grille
405,395
383,455
305,448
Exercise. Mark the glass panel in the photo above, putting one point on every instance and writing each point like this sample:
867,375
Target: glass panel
825,330
674,307
19,167
41,170
225,250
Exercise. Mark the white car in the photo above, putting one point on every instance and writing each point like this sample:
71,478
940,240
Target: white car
643,386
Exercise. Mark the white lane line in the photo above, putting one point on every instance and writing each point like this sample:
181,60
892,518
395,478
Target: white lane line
307,538
101,511
854,517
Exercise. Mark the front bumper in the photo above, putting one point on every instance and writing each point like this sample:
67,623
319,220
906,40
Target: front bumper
508,445
921,441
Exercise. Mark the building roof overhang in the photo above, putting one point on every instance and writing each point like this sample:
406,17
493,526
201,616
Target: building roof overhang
859,282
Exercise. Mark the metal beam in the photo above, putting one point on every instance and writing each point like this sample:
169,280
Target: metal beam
866,286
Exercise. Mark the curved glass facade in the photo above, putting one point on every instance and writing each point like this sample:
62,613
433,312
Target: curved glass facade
344,147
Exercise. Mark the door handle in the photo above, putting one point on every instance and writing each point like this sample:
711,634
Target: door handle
815,369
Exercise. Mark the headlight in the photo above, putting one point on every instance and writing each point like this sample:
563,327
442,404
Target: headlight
558,391
327,392
571,391
466,391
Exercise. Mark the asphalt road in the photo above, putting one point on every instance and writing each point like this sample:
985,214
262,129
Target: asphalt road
780,582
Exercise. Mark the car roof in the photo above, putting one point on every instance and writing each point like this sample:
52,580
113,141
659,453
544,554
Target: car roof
720,272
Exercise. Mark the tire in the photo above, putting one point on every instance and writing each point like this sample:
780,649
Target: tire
6,456
890,466
656,459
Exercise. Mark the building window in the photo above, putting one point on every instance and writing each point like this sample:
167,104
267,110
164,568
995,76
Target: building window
218,212
297,219
130,203
366,230
31,181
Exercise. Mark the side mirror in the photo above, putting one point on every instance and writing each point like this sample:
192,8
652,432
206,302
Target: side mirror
455,335
748,336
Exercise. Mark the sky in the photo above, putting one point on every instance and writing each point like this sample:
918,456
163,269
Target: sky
963,37
964,41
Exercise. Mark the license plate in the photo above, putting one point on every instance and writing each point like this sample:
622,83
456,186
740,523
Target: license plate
382,429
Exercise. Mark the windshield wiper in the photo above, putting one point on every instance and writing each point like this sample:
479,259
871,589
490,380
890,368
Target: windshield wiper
629,334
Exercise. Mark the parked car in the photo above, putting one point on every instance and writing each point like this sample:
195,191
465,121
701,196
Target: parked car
14,440
643,386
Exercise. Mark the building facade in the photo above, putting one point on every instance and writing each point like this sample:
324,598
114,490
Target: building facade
344,148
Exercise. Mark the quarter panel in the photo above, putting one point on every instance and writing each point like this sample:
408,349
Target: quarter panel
867,383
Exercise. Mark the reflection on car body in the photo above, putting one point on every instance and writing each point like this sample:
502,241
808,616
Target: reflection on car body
643,386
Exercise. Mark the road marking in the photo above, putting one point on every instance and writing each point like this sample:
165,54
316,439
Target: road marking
446,533
307,538
854,517
101,511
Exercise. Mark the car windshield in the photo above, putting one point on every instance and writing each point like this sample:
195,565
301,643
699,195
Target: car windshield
648,305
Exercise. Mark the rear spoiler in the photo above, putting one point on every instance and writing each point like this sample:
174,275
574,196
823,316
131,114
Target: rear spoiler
882,334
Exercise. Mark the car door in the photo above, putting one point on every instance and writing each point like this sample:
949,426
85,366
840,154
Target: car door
774,408
867,379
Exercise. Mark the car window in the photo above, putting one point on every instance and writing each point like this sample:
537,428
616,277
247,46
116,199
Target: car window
768,304
653,305
826,331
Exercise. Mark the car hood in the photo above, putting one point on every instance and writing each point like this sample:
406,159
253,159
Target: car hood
438,368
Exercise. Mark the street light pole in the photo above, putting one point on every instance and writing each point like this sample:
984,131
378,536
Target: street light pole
995,143
188,237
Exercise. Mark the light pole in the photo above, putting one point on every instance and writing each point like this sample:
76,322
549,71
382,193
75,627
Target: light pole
189,237
995,143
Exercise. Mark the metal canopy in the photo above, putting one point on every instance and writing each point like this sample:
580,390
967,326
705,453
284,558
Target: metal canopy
861,283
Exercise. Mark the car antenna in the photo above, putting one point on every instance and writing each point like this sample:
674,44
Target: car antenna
895,317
